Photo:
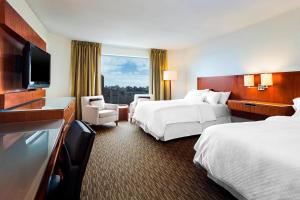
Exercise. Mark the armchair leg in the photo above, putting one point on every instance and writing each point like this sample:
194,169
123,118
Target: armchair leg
116,123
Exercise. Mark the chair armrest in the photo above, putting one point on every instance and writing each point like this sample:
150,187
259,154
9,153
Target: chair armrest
110,106
90,114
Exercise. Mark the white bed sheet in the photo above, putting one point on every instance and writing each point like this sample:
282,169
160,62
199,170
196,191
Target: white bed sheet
221,110
259,160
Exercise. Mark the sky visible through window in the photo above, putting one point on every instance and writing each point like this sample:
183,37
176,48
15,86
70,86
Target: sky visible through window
125,71
124,77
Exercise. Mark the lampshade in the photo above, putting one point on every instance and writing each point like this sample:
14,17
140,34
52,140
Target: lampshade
248,80
266,79
170,75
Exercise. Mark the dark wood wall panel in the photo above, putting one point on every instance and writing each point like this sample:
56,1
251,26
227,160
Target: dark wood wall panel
286,87
14,32
10,69
13,23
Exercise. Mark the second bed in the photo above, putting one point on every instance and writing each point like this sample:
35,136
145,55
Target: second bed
167,120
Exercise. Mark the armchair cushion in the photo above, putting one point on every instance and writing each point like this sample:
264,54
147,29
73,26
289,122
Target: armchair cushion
107,113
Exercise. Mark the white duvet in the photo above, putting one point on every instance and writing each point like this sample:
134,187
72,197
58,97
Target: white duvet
259,160
154,116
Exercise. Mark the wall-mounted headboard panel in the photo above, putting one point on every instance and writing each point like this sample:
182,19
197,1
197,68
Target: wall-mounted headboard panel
286,87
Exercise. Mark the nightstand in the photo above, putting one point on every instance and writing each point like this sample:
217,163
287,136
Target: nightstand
123,112
257,110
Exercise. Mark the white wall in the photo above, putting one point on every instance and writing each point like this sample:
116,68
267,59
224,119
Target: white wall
60,49
28,15
269,46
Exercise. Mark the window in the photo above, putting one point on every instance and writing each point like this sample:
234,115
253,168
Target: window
123,77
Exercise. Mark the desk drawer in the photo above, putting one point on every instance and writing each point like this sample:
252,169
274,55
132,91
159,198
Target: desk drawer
260,109
240,106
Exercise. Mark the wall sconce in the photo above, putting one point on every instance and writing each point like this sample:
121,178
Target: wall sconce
266,80
249,81
170,75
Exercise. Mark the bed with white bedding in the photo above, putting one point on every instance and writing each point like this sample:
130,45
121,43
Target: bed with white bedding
166,120
253,160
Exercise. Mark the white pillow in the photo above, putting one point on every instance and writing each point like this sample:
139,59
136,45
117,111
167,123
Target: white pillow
194,99
296,104
192,93
97,102
213,98
224,97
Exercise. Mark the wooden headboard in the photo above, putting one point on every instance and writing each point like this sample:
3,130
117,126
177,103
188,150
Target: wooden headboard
286,87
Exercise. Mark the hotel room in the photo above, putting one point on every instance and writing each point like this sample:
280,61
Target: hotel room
167,99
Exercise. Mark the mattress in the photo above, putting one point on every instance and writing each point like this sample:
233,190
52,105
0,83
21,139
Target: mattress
180,130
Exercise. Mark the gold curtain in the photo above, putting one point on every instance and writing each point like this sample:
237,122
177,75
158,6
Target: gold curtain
158,63
85,67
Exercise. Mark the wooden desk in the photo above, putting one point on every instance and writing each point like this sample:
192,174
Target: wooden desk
258,110
33,113
26,149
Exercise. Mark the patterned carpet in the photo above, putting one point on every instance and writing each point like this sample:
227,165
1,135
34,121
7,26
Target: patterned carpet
126,163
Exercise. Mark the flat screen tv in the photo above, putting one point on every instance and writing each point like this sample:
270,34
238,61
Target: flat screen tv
36,69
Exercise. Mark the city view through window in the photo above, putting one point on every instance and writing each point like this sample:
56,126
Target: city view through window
123,77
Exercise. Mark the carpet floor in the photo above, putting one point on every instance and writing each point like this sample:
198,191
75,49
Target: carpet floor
127,163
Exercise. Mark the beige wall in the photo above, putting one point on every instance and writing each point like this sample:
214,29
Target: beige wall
60,49
176,61
269,46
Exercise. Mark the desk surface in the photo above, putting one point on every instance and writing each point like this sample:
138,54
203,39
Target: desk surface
25,149
57,103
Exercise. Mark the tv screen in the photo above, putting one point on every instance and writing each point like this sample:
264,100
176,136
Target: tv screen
36,73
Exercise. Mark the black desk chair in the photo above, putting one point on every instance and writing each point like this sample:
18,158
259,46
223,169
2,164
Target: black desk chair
74,157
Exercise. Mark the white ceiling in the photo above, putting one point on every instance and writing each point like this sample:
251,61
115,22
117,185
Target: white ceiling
169,24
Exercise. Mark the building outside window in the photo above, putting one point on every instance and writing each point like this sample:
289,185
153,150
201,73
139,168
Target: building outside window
123,77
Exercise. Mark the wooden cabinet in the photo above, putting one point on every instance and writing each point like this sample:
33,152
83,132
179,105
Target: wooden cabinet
260,108
123,112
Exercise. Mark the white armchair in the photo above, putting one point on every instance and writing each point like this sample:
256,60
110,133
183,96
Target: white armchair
98,114
138,98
